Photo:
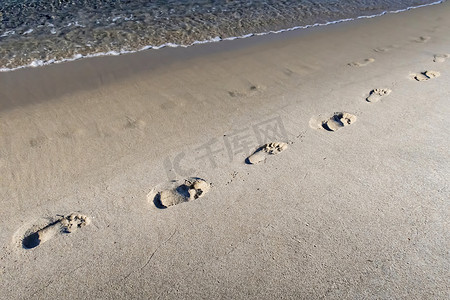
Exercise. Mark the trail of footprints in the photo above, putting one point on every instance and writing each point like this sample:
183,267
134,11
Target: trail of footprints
176,192
193,188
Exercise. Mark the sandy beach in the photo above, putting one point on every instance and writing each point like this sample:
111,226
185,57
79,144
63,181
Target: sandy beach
129,177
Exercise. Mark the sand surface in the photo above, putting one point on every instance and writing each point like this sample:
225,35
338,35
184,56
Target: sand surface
354,205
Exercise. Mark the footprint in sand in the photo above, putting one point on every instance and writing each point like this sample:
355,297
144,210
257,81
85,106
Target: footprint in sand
38,141
427,75
384,49
288,72
375,95
337,121
252,90
135,123
262,152
422,39
236,94
381,49
362,64
67,224
440,57
176,192
72,134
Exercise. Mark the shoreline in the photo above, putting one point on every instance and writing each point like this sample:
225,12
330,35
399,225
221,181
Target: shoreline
216,39
354,209
95,72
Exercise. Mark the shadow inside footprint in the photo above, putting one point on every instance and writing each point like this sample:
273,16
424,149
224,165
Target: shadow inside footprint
247,160
326,127
157,202
31,241
183,190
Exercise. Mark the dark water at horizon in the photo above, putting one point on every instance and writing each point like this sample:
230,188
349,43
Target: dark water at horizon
36,32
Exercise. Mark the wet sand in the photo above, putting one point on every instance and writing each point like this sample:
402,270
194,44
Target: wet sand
154,149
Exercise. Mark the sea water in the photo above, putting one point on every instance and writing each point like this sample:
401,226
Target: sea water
39,32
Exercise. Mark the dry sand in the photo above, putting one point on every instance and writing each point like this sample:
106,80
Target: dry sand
356,211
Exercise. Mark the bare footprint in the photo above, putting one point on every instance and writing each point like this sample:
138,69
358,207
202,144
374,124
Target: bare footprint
38,141
176,192
65,224
440,57
288,72
427,75
236,94
338,121
362,64
422,39
135,123
71,134
385,49
381,49
375,95
252,90
262,152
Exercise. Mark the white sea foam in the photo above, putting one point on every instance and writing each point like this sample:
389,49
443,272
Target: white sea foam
9,32
28,31
38,63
